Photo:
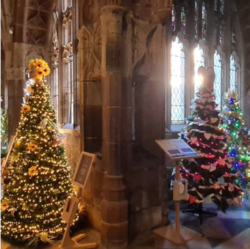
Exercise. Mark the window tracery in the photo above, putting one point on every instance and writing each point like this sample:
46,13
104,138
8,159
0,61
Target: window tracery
233,73
218,79
177,82
205,22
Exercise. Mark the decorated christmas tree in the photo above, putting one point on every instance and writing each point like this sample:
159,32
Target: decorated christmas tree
237,137
210,175
37,178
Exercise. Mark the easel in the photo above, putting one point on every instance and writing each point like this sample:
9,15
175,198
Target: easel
176,233
71,206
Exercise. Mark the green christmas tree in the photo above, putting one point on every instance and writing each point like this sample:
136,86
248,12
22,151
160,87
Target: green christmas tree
236,131
210,175
38,177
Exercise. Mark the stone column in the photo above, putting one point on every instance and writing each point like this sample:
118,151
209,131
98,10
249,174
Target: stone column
114,206
15,78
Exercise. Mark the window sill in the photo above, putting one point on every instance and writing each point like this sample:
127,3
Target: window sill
69,128
177,127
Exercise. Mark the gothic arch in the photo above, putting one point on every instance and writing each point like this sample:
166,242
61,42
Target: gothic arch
32,21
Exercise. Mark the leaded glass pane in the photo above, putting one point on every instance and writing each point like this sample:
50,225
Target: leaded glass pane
173,18
233,74
218,78
221,37
196,18
222,6
183,21
215,5
204,21
177,83
199,61
233,40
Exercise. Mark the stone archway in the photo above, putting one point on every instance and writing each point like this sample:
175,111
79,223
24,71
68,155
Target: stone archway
26,32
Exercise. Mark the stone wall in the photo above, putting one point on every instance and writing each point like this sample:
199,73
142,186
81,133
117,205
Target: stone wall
124,49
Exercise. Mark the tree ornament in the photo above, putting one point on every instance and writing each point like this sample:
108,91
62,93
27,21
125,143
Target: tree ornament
231,101
192,199
213,120
33,170
25,109
208,78
4,205
197,177
207,135
193,139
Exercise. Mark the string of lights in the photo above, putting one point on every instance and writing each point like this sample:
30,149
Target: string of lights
38,177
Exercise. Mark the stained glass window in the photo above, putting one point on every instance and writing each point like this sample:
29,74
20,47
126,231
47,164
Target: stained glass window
233,74
221,35
233,39
204,21
199,60
177,83
196,18
218,78
215,5
222,6
183,21
173,18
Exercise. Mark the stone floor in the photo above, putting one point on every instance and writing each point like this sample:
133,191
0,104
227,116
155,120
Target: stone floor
225,231
230,230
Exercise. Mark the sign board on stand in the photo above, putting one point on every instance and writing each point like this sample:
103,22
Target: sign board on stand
177,149
80,179
83,169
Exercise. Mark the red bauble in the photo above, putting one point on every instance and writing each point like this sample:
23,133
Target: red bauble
192,199
197,177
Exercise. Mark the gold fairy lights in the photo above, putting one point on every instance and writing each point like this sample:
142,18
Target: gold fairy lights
43,179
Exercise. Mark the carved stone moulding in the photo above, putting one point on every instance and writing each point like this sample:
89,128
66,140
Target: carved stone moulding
55,58
44,5
68,52
67,17
15,73
37,18
36,36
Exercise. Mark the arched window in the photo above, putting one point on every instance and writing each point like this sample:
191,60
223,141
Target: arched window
233,74
204,21
173,23
183,21
196,19
199,60
177,82
67,34
205,25
54,87
218,78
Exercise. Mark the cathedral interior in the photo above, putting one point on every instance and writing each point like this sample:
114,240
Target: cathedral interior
123,73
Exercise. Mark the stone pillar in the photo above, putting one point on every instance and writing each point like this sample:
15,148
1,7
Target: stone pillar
114,206
15,78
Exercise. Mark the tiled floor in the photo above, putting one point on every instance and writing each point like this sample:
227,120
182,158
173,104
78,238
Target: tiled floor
225,231
230,230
